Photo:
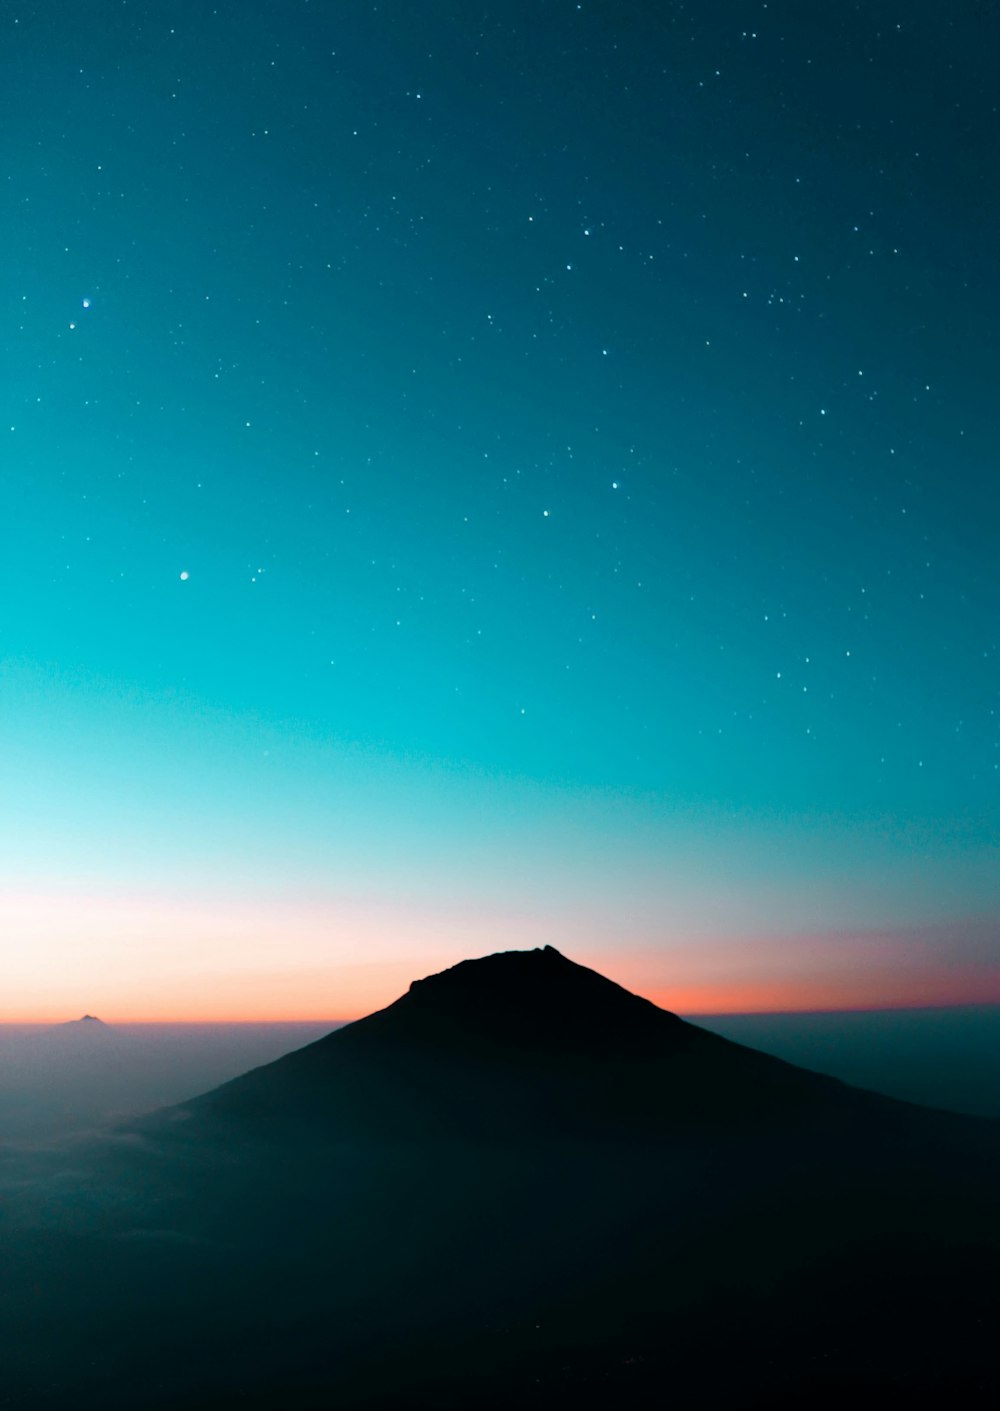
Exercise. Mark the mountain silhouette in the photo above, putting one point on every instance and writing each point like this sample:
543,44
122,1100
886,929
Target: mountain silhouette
520,1183
528,1045
88,1022
87,1035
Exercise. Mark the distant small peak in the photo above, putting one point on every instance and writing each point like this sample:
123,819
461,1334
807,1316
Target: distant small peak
86,1024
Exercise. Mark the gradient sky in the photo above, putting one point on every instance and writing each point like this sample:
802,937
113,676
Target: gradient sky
489,475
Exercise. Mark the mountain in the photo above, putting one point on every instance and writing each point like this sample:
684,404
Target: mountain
88,1025
529,1046
519,1183
61,1078
87,1035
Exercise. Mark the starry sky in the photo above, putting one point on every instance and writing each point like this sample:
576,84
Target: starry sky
487,475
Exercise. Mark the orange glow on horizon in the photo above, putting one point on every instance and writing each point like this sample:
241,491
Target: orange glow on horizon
138,958
778,998
373,991
916,990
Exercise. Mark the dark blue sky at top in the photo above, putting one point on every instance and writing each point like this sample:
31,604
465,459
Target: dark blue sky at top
591,394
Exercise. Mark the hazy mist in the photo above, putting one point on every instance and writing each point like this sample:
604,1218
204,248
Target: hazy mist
61,1080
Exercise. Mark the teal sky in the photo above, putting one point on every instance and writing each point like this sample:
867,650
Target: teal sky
480,476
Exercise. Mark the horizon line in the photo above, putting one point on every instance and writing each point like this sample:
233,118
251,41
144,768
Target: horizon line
682,1014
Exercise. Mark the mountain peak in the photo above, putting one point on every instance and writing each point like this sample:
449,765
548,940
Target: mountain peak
513,967
530,999
86,1024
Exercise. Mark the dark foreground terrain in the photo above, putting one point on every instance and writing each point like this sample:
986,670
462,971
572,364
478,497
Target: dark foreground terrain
517,1185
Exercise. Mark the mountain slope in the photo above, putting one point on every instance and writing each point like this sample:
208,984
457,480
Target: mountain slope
520,1183
527,1045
